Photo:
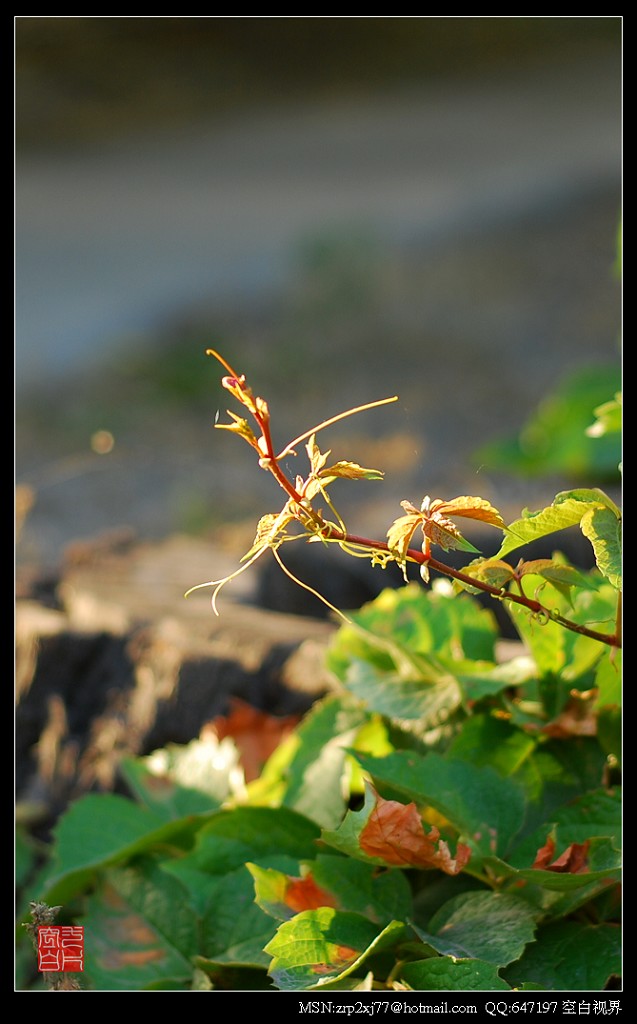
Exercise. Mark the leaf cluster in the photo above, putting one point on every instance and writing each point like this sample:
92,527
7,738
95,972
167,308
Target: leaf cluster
447,819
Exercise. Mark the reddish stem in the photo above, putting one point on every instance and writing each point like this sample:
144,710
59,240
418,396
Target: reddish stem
612,640
333,533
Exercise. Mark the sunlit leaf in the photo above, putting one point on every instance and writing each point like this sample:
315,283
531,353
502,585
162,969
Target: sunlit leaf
270,528
401,532
443,532
603,530
493,571
469,507
192,779
337,882
567,509
429,697
319,946
239,426
314,775
562,576
390,833
316,457
608,418
351,471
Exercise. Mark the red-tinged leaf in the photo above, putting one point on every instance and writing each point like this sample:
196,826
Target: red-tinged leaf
394,832
574,860
282,896
443,532
255,733
305,894
436,527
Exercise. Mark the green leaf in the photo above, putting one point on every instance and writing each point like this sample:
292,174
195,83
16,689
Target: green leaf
557,773
382,896
234,837
234,930
98,831
411,620
139,930
486,740
490,926
608,680
557,651
603,529
593,815
324,945
567,509
390,694
26,856
484,807
608,418
182,780
570,957
555,440
479,679
447,974
560,575
314,774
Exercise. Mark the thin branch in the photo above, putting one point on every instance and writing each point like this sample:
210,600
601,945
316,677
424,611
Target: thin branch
612,640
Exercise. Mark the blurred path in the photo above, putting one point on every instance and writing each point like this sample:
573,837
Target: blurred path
109,243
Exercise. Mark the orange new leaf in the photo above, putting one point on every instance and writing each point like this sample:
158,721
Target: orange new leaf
470,508
400,533
395,833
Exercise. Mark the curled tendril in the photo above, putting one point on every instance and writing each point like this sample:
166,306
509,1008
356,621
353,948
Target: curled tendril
542,617
220,584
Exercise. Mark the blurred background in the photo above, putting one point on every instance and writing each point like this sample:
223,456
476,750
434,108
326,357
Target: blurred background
347,209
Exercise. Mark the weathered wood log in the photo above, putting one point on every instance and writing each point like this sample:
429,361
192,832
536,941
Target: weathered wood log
124,665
